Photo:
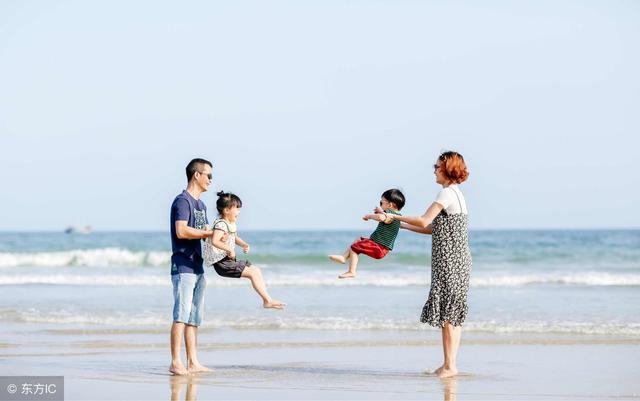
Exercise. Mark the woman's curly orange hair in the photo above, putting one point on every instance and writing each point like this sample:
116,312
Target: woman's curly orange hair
453,167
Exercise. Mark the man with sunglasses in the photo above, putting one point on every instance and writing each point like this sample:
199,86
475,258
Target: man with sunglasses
189,225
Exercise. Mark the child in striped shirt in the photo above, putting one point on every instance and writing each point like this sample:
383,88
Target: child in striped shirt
381,240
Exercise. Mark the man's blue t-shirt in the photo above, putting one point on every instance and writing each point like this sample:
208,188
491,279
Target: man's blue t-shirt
187,253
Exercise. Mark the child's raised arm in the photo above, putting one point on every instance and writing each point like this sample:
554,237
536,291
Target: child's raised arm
375,216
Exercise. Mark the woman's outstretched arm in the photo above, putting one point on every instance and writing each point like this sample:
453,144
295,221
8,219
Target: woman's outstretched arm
426,230
420,221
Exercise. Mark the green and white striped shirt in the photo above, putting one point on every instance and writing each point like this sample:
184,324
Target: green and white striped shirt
385,234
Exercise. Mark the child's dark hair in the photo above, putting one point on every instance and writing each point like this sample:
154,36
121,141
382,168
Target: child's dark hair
394,196
227,199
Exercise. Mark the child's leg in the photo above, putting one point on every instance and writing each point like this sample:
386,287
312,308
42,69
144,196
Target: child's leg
342,259
255,276
353,265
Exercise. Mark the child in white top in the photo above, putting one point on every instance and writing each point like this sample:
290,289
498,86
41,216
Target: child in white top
219,249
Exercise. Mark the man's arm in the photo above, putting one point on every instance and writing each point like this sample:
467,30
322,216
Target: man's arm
183,231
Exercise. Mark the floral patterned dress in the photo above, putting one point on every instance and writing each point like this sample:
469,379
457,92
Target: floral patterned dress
450,269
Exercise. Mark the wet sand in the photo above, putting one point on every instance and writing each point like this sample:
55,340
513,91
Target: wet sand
121,364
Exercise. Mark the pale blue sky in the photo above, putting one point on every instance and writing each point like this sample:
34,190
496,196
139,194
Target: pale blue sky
310,110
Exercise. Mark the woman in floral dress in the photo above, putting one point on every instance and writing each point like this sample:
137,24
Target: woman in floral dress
446,220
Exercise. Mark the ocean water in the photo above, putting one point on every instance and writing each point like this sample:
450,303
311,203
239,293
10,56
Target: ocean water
581,283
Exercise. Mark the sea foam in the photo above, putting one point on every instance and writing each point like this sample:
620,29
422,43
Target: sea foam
120,319
328,279
86,257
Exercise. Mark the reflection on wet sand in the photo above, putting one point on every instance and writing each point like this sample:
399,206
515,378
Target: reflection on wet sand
450,388
177,384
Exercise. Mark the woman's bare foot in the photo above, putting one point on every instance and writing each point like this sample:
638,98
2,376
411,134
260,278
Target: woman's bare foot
338,259
433,371
178,369
198,368
274,304
447,373
347,275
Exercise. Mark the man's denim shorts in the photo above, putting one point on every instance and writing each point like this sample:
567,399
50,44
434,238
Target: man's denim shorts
188,298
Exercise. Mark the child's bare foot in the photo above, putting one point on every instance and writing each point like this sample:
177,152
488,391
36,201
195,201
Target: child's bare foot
198,368
347,275
274,304
178,369
338,259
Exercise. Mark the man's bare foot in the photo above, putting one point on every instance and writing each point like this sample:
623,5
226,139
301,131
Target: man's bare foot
274,304
347,275
338,259
198,368
447,373
178,369
439,370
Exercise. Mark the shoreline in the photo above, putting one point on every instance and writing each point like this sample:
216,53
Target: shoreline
256,364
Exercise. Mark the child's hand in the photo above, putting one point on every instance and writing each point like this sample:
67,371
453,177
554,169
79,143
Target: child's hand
232,254
365,217
378,209
245,248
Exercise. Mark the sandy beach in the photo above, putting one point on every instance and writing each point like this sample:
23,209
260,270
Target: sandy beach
123,364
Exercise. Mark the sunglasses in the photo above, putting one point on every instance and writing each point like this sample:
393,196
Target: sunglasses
210,176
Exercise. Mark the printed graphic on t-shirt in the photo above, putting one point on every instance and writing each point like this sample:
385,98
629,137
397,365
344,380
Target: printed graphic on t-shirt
200,219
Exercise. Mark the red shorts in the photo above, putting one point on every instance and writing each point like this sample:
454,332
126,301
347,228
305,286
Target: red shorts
369,248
